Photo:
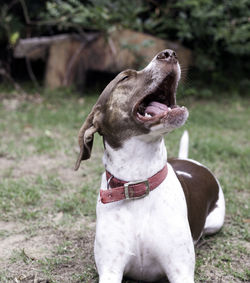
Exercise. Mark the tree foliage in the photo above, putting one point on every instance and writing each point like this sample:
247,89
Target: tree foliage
100,15
213,28
218,32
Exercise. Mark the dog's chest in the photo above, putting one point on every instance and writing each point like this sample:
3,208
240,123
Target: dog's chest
142,233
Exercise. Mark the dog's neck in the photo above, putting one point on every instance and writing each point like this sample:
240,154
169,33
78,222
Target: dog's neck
137,159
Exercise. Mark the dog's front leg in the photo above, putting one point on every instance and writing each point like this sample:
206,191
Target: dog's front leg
181,278
110,258
178,256
180,267
110,277
112,244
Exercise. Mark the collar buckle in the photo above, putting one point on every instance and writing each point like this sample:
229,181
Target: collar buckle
128,192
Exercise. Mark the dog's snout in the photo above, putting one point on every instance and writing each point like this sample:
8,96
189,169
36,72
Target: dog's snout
168,55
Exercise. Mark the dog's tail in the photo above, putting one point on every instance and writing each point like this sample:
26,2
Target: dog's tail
183,149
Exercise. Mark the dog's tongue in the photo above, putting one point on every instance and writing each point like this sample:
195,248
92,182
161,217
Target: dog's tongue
155,108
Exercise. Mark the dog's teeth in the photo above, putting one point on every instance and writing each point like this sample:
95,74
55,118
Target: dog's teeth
148,115
169,109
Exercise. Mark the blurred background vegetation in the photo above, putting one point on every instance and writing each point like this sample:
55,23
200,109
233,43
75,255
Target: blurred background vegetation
217,32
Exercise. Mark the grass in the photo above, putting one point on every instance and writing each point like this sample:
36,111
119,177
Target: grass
47,211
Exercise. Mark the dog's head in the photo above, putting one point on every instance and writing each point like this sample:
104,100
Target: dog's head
136,103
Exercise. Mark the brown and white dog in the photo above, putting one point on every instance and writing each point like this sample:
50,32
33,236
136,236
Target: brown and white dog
150,211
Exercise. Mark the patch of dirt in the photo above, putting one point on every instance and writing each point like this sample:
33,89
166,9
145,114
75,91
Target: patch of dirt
5,165
67,264
10,226
37,247
9,244
41,164
11,237
11,104
13,101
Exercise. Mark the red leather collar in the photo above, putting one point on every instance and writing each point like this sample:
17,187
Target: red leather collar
119,189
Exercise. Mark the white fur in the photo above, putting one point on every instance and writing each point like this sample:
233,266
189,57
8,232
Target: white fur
157,74
183,150
215,219
146,238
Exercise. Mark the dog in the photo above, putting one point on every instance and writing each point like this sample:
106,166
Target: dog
151,210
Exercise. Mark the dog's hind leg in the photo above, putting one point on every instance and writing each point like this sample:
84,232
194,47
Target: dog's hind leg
215,219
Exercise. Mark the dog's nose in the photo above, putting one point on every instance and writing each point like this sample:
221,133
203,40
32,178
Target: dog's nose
168,55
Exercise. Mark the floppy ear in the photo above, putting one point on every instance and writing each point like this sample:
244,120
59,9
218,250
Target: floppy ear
86,136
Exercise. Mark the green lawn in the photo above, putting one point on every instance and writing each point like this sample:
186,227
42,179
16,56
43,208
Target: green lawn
47,211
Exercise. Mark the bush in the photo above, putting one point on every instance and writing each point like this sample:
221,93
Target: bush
218,32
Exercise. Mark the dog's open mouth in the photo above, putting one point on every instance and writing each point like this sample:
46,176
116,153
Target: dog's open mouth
160,104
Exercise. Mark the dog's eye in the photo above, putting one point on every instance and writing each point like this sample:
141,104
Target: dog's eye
124,78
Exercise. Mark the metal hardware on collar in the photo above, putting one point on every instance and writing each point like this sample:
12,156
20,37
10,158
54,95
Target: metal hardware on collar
111,177
126,189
